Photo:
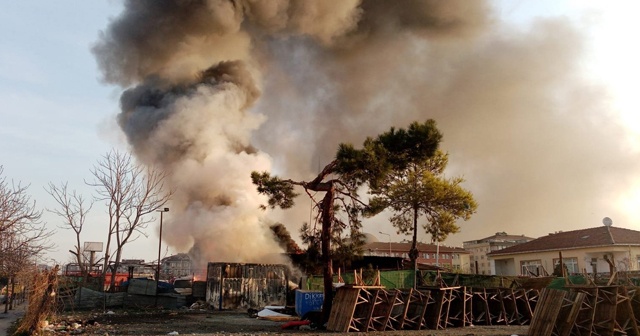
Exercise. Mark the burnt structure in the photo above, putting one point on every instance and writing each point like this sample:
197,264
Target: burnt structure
232,286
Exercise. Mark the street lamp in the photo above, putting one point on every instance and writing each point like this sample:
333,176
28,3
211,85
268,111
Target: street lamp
389,236
159,249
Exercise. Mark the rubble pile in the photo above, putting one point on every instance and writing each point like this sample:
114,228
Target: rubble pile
74,326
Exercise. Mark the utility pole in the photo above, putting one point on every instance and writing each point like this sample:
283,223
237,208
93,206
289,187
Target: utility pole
389,237
159,249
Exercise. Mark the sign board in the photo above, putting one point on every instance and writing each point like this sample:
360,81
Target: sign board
93,246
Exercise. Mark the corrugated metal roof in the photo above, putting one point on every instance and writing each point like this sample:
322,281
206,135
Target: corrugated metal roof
592,237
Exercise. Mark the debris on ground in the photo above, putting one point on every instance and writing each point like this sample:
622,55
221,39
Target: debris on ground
166,322
199,305
295,324
272,315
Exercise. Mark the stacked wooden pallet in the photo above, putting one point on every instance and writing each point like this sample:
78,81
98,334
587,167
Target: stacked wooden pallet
587,310
374,308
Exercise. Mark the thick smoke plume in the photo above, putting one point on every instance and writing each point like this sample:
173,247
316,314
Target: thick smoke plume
216,89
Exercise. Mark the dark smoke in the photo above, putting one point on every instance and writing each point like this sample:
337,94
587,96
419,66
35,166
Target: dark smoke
535,141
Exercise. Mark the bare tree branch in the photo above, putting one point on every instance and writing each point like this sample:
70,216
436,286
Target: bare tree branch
73,211
131,192
22,235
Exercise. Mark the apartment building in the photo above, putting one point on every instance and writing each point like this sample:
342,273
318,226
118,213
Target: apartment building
478,249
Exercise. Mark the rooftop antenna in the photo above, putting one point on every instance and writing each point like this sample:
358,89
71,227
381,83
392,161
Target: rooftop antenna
607,221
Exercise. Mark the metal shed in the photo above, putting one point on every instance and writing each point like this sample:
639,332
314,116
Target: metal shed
233,286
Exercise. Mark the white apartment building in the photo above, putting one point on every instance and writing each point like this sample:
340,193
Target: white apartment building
479,262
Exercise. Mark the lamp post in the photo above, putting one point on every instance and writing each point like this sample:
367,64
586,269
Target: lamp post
438,247
389,236
159,249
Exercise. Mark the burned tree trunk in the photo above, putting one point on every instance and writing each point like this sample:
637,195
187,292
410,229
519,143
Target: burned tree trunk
327,268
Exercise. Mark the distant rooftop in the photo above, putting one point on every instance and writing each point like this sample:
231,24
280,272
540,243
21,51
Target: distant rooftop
593,237
177,257
405,246
501,237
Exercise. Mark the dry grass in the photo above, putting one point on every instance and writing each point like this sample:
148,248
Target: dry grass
42,302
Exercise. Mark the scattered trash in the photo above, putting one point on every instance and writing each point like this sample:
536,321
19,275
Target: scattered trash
173,333
268,312
110,313
295,324
198,305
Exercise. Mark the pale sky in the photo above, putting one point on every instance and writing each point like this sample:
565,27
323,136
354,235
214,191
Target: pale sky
56,118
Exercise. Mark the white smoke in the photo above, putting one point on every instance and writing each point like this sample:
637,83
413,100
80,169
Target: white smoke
521,124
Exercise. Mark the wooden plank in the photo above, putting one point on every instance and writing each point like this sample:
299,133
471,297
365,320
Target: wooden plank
381,309
509,304
546,314
626,323
569,313
362,311
523,305
447,300
434,310
396,316
496,307
634,295
342,310
584,322
480,307
417,304
604,316
460,310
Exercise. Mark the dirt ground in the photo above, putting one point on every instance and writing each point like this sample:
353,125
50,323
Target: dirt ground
195,322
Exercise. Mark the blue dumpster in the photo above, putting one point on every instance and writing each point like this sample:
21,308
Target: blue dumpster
307,301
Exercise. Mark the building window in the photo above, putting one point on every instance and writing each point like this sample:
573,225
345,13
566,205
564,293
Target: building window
571,263
530,267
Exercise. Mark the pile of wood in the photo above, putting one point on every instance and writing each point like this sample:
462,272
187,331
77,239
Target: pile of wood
374,308
587,310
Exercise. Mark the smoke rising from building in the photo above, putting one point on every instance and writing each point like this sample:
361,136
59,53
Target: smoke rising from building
217,89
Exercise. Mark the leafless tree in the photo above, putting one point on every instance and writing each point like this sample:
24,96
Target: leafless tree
17,259
18,214
73,209
131,192
22,235
19,220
